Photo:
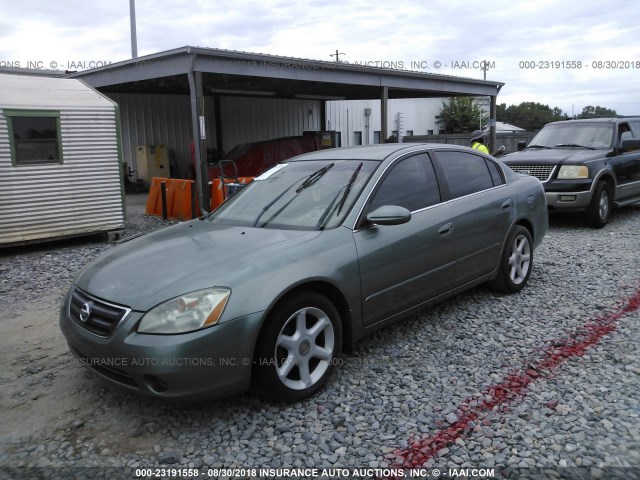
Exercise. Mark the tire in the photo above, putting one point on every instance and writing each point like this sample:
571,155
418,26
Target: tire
297,348
599,210
516,262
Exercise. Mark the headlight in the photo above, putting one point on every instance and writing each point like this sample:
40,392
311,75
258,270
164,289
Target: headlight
573,171
186,313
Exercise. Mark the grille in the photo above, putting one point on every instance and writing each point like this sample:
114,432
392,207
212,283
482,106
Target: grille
103,317
541,172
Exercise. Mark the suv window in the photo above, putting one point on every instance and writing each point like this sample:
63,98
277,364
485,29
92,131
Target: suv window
411,184
464,172
635,128
589,134
624,133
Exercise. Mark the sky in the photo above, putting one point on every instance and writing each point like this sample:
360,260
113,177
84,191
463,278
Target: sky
560,53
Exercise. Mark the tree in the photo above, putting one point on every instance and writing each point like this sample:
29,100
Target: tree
529,115
460,115
598,111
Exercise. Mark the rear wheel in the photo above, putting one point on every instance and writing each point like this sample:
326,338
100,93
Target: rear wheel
516,262
599,209
296,351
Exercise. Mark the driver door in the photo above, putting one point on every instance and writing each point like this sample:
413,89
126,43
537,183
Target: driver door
404,265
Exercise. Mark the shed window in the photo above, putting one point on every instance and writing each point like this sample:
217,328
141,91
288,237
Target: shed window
34,137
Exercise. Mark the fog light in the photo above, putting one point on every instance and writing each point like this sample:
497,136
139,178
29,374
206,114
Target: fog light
156,384
567,198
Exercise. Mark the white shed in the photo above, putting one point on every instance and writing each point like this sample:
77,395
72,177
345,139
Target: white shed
60,160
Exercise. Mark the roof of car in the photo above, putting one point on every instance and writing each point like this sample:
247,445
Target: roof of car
597,120
377,152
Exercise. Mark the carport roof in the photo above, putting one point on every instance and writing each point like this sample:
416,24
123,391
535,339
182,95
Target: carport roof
228,72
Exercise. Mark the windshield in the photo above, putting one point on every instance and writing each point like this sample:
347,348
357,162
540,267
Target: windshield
306,195
590,135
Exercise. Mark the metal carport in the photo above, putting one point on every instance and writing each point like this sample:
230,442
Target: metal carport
200,72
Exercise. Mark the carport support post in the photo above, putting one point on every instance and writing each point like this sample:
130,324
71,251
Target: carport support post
384,127
204,169
218,125
492,128
202,181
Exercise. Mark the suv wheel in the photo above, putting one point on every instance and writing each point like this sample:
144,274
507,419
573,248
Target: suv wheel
599,209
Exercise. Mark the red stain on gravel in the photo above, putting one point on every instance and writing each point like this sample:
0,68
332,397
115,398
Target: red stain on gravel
513,386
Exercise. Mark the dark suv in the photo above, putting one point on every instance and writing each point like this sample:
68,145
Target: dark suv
585,165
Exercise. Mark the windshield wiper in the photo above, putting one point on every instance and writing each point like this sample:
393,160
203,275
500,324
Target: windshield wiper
537,146
347,189
314,177
270,204
574,145
310,180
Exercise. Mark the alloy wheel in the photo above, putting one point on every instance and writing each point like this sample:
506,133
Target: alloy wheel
520,259
304,348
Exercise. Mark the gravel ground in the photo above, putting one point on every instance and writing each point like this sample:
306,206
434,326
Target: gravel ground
421,393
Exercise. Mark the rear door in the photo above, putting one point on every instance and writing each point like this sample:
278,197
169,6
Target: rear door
482,209
404,265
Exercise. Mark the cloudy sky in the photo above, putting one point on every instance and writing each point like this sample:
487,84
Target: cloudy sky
531,44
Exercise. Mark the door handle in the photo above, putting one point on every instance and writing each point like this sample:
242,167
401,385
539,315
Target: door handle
446,229
507,203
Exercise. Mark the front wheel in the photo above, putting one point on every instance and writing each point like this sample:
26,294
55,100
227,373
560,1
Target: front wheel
599,209
296,351
516,262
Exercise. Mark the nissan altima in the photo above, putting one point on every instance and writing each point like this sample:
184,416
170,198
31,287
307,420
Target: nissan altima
265,292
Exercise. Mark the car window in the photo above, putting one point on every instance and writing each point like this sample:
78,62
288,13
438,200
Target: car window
298,195
635,128
465,173
494,171
411,183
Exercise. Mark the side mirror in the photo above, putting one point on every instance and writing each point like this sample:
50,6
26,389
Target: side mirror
630,145
502,148
521,145
389,215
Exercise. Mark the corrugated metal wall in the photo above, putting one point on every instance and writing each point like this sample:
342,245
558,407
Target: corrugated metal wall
81,195
151,119
348,116
255,119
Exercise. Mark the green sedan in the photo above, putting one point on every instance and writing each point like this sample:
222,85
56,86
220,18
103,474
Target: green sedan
269,289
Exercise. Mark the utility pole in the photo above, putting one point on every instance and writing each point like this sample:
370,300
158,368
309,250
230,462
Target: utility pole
337,55
132,18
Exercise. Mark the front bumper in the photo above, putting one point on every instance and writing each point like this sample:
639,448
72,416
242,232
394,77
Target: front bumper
568,200
568,195
210,363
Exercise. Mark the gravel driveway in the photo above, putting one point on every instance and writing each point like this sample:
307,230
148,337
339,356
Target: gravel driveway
546,380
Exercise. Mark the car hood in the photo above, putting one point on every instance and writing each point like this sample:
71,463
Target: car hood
190,256
553,156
